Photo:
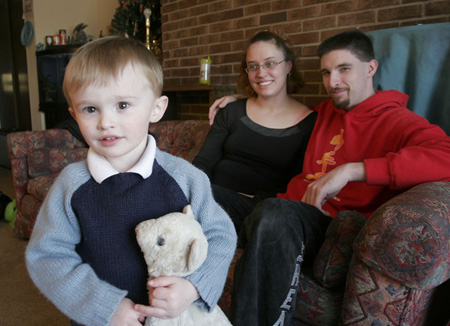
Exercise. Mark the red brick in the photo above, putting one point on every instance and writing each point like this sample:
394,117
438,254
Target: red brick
312,76
244,23
338,7
309,64
412,1
196,11
309,51
313,2
273,18
195,31
184,4
310,88
220,16
400,12
179,53
302,13
319,23
257,9
218,5
285,4
220,47
188,23
239,46
231,36
197,50
437,8
189,42
373,4
304,38
222,28
189,62
365,17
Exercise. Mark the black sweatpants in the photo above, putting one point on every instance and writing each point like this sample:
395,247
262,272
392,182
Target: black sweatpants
277,237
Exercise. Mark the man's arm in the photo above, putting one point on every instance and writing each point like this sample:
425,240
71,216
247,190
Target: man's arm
328,186
220,104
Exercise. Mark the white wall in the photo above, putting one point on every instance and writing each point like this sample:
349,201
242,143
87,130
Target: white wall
49,16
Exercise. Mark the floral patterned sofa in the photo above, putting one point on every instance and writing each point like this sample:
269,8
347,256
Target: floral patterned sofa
391,269
37,157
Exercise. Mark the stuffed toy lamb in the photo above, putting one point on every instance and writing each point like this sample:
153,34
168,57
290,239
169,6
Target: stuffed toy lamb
174,245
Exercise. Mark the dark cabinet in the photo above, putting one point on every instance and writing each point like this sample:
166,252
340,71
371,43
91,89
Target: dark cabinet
51,66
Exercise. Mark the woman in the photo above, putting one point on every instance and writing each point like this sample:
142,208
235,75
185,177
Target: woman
256,144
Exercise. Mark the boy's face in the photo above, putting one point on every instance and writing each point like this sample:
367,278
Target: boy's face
114,119
347,79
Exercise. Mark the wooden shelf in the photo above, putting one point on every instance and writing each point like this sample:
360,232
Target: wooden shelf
188,88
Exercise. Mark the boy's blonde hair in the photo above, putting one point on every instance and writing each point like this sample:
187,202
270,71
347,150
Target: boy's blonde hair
99,61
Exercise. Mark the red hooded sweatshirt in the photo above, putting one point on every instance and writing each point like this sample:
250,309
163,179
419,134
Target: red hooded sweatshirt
399,148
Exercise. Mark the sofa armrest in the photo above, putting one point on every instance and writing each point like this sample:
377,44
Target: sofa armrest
21,144
408,238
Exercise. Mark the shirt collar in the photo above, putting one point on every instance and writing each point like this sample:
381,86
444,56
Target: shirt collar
101,169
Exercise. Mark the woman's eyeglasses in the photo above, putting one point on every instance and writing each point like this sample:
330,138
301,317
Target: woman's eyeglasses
269,65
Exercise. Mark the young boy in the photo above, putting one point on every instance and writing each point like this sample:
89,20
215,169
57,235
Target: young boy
83,254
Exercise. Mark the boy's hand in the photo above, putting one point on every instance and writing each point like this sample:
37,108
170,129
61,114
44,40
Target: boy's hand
220,104
169,297
125,315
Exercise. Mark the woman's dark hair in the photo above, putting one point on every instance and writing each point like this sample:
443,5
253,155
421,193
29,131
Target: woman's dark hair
294,79
355,41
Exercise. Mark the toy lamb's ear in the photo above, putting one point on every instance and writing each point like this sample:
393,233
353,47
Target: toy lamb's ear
187,210
197,255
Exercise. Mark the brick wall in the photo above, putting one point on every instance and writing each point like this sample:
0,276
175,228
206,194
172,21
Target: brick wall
193,29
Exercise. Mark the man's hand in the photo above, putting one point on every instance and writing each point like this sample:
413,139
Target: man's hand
169,297
329,185
220,104
126,315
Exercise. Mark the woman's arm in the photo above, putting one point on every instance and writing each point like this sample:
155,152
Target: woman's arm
212,150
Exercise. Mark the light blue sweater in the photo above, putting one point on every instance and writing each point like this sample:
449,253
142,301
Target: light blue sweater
73,286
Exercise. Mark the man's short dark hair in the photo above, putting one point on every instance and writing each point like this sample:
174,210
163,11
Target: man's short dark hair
355,41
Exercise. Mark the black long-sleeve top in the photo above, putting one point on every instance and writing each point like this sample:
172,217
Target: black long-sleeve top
246,157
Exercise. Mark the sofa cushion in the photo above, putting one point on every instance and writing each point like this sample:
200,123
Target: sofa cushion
39,187
183,138
332,261
315,304
43,161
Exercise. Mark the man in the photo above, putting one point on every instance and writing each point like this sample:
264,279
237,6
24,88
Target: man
366,148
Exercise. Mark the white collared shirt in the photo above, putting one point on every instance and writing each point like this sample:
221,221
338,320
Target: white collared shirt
101,169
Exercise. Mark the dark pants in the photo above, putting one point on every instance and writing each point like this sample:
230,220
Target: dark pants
73,323
277,237
237,206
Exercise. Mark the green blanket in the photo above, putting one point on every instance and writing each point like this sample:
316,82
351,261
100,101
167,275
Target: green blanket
416,60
